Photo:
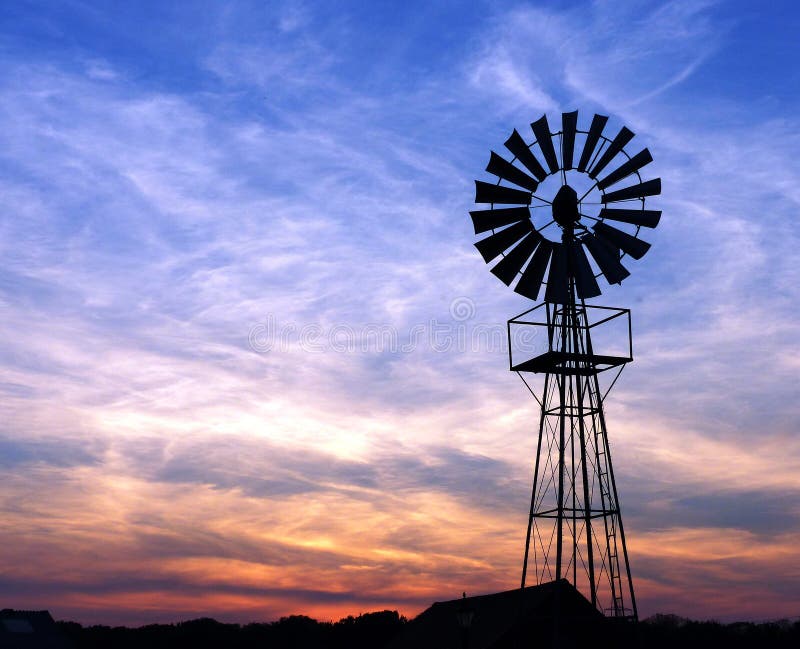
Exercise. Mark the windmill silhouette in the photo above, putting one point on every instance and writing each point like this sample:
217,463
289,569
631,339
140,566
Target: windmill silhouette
543,219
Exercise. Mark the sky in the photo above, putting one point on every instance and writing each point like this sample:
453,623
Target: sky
252,365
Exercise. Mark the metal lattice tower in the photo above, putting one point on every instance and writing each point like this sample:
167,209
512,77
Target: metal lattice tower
575,529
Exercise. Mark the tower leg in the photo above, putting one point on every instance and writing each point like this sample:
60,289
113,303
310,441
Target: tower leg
533,491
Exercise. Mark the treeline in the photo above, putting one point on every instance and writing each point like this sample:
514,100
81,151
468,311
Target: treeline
673,632
669,631
374,630
295,632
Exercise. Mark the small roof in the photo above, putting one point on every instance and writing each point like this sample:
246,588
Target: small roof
30,630
502,620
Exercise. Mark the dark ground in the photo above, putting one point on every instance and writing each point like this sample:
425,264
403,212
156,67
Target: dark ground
372,630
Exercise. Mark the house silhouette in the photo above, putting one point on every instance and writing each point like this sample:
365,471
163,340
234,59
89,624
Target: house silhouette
30,630
553,614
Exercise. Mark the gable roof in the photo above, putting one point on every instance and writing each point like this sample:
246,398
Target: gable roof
500,619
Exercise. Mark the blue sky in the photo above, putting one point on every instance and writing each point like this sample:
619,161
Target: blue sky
229,231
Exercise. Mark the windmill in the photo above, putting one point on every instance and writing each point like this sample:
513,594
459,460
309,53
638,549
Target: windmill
556,224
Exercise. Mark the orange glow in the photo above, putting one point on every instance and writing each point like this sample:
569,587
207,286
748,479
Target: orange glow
120,546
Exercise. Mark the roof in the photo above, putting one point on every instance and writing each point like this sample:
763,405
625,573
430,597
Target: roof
501,619
30,630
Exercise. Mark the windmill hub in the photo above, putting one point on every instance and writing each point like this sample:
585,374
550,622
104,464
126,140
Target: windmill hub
565,207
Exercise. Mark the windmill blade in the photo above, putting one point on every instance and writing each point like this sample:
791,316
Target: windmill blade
494,244
541,130
569,124
647,188
489,193
645,218
508,267
504,169
624,170
517,146
607,259
622,138
584,277
557,277
636,248
531,281
485,220
592,138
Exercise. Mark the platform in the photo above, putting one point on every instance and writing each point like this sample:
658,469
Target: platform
555,362
600,339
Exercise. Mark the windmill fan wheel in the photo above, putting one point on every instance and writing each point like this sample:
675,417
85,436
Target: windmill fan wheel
535,235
